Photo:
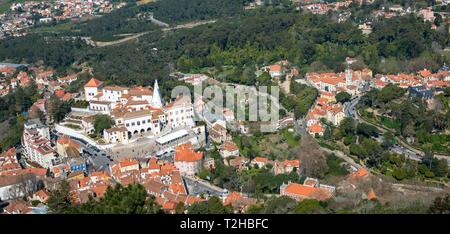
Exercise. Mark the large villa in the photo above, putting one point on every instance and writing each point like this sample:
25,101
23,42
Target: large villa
136,112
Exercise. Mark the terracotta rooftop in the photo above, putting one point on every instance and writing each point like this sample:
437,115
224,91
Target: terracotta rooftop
306,191
93,83
185,152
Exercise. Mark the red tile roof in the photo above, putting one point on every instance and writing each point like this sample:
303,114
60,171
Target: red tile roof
228,146
93,83
371,195
185,152
316,128
232,197
128,162
306,191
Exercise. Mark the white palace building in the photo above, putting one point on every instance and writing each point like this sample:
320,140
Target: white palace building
135,111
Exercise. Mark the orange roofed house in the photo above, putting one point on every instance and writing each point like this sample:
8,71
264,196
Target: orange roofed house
239,202
228,148
286,166
310,189
92,88
187,160
126,171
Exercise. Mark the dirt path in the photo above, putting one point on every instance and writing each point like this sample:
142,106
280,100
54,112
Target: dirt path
132,36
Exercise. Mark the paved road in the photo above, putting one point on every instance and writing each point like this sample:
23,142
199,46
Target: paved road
350,110
137,35
197,186
97,158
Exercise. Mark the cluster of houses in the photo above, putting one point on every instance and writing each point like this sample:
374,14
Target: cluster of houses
23,15
426,13
18,182
329,84
12,78
319,7
424,85
323,8
424,78
282,72
60,158
162,179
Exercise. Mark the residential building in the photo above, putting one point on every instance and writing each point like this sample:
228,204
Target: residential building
9,162
228,149
36,143
239,202
310,189
187,160
286,166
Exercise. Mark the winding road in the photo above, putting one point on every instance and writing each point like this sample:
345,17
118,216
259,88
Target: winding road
350,110
133,36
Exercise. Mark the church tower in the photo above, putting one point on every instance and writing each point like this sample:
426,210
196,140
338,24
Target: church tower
348,76
156,99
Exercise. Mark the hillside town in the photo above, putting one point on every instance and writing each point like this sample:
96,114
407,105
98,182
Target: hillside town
73,150
22,16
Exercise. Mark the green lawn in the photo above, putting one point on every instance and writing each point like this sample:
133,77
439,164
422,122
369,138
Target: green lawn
290,137
274,145
389,123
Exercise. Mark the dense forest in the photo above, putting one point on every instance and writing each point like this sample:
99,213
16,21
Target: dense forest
133,18
50,50
313,42
175,11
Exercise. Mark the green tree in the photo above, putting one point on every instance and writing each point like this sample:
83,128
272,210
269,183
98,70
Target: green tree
366,130
212,206
343,97
400,173
132,199
279,205
309,206
347,126
441,205
265,79
388,140
255,209
437,19
102,122
59,201
179,209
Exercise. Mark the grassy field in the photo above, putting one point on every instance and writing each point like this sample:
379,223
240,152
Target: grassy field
390,123
274,145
